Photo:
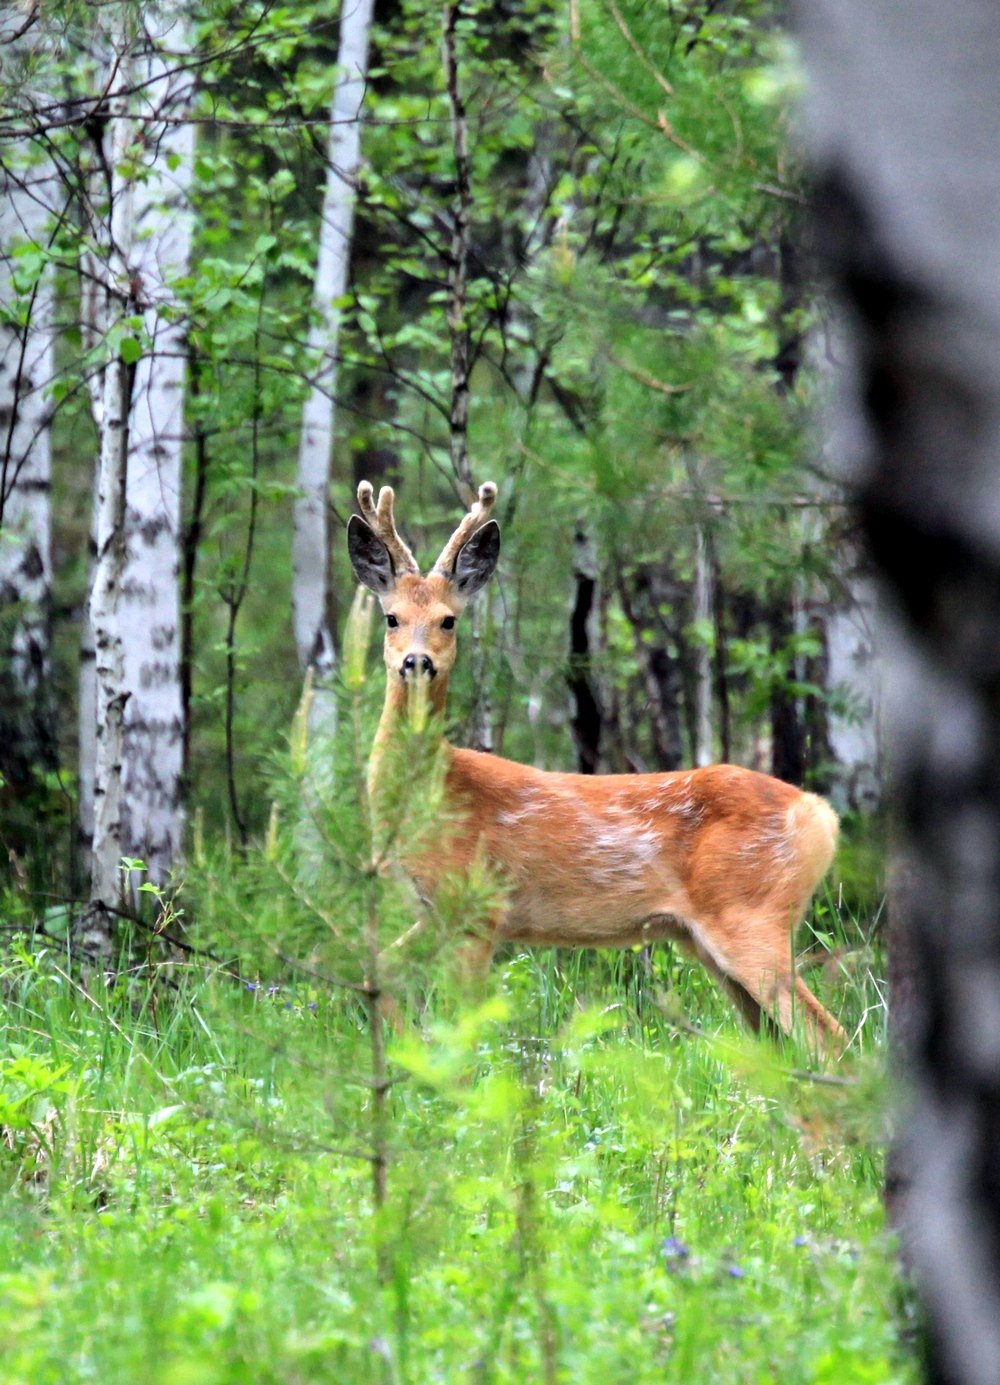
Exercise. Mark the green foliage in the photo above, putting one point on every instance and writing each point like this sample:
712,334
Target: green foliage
596,1196
590,1174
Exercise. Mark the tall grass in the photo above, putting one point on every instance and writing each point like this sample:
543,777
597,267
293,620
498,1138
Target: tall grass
579,1187
593,1175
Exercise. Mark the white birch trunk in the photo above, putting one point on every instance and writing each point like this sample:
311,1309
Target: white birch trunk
111,692
87,707
26,366
131,728
149,602
93,325
310,552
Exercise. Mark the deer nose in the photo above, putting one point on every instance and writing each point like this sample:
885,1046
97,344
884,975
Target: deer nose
419,662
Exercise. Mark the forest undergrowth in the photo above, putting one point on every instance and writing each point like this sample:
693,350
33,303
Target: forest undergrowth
573,1193
211,1173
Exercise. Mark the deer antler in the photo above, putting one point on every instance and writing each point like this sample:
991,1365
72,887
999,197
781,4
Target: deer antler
381,520
474,520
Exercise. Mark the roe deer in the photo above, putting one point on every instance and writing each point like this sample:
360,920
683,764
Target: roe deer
722,860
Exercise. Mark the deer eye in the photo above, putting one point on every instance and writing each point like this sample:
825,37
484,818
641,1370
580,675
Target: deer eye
448,623
391,621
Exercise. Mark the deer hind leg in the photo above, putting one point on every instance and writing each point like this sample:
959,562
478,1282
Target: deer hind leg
756,1017
742,1000
751,952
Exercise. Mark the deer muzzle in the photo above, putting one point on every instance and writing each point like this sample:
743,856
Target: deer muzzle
417,666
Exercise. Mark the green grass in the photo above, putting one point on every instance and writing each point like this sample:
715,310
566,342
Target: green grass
580,1189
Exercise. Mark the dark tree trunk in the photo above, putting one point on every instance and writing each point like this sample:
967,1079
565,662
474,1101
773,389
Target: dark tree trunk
818,755
788,360
371,401
586,708
906,128
788,751
645,601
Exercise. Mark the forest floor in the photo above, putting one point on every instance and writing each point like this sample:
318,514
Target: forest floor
582,1184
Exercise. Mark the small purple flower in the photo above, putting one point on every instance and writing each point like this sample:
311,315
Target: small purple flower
250,985
801,1241
313,1005
673,1249
734,1272
273,990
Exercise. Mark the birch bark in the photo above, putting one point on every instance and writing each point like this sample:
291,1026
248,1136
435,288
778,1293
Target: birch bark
26,366
93,325
149,602
86,714
139,245
111,692
310,549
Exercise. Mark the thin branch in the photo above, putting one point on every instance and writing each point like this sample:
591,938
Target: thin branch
638,49
645,378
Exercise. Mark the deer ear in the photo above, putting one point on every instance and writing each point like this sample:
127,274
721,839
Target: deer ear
369,557
476,560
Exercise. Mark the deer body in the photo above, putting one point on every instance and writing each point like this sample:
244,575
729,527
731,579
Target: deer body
722,860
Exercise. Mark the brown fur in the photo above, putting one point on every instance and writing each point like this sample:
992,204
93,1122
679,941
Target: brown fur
722,859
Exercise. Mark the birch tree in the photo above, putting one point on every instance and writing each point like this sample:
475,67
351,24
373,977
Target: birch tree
112,232
905,130
140,245
28,193
311,542
149,609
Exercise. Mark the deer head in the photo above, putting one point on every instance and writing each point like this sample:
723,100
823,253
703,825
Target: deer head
421,612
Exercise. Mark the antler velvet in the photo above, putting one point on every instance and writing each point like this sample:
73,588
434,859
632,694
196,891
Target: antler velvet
381,520
474,520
